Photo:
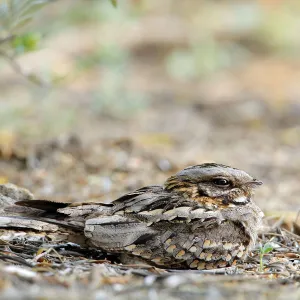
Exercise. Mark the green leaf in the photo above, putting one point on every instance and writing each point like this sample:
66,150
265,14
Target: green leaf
26,42
267,248
15,14
114,3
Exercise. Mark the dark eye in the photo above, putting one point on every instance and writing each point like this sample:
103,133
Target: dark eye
221,182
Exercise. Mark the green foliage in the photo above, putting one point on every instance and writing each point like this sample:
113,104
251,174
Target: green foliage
203,59
279,30
266,248
14,40
26,42
114,2
15,14
109,55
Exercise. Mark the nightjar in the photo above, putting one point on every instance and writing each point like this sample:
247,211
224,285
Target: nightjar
203,217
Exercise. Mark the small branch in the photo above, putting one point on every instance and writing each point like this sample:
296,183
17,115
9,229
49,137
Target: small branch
16,259
13,63
7,39
18,69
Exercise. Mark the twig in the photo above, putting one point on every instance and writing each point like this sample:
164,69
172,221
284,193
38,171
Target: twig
278,223
18,69
297,237
297,217
7,39
47,252
16,259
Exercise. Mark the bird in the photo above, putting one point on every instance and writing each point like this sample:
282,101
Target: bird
203,218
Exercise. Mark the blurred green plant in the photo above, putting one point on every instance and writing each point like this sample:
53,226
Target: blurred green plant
279,30
15,15
230,35
98,12
26,42
266,248
204,58
114,2
109,55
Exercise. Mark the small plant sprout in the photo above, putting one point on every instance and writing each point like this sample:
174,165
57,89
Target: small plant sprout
264,249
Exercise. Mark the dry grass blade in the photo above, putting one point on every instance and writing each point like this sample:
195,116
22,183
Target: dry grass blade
16,259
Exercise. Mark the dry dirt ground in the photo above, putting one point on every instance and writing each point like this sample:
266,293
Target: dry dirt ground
42,265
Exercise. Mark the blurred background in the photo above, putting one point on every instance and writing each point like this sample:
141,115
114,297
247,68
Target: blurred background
97,100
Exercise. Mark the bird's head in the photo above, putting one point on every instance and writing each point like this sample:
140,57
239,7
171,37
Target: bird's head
214,185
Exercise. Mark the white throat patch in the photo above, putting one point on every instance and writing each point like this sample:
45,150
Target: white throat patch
241,200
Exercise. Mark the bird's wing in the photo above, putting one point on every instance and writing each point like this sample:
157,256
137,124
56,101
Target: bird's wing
132,218
143,198
58,213
148,212
115,233
63,213
154,204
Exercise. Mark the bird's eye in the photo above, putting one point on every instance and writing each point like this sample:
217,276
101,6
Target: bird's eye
221,182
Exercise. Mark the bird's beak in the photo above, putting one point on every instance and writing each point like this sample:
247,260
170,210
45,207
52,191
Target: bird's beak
254,183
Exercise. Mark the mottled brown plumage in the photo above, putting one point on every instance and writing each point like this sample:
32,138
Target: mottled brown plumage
202,218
